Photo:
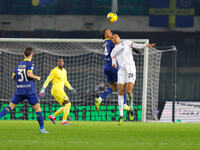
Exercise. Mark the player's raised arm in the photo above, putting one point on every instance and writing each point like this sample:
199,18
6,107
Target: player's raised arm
151,45
140,46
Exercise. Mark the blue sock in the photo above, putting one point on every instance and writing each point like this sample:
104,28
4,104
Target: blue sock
5,111
125,96
40,119
106,93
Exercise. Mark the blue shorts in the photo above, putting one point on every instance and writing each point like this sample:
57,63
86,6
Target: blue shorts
111,74
32,99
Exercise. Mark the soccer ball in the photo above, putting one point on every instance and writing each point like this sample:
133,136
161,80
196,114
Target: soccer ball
112,17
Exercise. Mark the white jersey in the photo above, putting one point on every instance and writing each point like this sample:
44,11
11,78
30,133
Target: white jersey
123,53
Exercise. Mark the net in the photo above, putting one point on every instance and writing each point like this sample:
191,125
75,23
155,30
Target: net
84,63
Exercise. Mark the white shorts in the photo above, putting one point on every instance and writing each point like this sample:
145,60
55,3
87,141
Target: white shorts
126,75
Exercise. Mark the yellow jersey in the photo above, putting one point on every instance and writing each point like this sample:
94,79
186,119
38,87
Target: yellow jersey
59,79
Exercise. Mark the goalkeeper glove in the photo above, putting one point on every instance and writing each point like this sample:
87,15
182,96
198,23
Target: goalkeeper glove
42,92
137,51
73,91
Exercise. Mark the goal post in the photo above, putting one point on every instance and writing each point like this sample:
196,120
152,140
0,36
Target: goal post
145,79
84,63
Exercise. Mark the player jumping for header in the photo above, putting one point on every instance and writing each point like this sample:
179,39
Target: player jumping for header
109,71
122,55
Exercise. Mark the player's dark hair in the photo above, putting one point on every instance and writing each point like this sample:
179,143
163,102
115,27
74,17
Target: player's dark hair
28,51
103,34
59,58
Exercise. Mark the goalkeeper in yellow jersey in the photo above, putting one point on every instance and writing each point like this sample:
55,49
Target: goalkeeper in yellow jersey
58,76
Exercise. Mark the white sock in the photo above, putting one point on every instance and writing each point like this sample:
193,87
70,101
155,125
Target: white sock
64,120
53,116
120,103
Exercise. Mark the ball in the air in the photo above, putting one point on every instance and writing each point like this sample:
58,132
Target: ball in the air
112,17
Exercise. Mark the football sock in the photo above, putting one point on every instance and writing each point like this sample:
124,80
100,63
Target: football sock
59,111
106,93
66,110
5,111
40,119
130,97
120,103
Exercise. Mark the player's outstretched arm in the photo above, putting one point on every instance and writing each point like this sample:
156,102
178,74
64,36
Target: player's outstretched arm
141,46
151,45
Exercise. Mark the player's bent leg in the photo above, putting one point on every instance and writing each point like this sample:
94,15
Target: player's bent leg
104,95
52,118
59,111
16,99
113,86
7,109
66,105
40,119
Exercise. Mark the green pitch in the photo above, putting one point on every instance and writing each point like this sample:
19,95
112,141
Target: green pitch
24,135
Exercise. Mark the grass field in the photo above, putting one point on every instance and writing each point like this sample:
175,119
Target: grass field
24,135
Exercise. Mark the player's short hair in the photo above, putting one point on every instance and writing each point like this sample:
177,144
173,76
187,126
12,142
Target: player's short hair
28,51
60,58
115,34
103,33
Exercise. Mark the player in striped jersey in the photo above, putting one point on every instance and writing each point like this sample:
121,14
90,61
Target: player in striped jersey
24,76
58,76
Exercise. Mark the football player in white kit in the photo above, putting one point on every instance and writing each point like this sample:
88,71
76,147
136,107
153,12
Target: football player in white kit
122,55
